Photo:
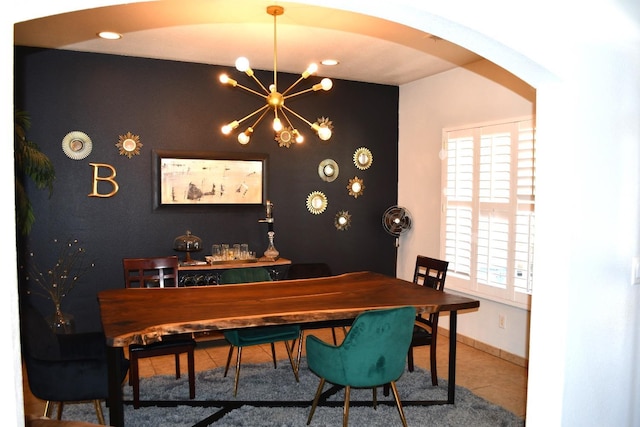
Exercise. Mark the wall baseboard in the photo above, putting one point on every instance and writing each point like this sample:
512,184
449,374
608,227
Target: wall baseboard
494,351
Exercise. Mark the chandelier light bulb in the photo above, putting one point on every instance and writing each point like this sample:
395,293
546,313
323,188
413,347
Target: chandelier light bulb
327,84
311,69
242,64
226,80
277,124
226,129
324,133
297,137
243,138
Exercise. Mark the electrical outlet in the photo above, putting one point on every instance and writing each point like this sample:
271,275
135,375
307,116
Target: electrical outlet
502,321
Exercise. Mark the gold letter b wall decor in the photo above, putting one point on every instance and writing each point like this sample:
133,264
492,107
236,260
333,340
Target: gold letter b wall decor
110,179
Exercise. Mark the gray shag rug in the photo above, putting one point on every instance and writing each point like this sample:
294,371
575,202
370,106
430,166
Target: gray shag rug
262,382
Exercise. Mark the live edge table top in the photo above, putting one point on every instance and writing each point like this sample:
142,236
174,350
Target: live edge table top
144,315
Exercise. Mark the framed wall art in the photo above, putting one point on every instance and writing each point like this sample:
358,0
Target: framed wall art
209,178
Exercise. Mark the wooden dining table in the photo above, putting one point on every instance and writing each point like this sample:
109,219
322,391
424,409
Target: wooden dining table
146,315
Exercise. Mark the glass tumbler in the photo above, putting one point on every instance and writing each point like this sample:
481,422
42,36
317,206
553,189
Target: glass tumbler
216,252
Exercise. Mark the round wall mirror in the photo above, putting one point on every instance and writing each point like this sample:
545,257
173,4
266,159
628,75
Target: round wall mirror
129,145
316,202
355,187
342,220
328,170
362,158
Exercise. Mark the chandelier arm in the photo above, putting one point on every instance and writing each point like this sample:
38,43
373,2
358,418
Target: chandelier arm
311,89
248,116
286,118
261,86
293,85
253,91
284,107
259,118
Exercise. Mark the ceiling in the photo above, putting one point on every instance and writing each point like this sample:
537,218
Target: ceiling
218,31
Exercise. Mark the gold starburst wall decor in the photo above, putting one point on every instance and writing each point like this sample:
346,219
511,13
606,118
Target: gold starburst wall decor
129,145
342,220
355,187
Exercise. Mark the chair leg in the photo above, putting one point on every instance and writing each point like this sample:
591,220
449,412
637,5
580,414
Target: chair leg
60,406
315,400
294,366
226,368
134,379
410,359
385,389
192,374
398,404
99,414
273,355
47,409
375,398
235,384
345,411
333,333
177,357
434,368
299,356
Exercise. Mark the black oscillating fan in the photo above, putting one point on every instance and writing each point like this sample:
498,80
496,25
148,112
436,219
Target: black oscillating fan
396,220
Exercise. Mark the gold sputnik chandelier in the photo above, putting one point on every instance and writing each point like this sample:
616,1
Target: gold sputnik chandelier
275,100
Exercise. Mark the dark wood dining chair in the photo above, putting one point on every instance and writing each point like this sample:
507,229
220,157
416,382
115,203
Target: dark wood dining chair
429,272
157,272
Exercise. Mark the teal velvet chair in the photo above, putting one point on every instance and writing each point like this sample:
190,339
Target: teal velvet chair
239,338
372,354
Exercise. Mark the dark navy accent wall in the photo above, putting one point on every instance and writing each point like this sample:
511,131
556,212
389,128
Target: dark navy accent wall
181,106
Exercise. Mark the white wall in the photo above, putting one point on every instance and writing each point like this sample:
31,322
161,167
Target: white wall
584,61
458,97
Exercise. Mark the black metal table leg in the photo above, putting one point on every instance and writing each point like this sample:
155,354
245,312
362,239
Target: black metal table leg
116,408
453,323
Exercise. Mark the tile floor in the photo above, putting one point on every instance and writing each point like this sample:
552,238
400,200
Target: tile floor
490,377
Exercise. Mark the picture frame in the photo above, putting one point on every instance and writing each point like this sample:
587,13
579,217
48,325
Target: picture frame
183,178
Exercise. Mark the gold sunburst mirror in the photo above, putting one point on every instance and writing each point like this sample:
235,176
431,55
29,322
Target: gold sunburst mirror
355,187
285,137
129,145
363,158
342,220
316,202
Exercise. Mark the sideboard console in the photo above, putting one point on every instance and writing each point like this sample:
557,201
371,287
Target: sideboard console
209,273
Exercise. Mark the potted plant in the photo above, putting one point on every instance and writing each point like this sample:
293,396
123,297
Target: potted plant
29,162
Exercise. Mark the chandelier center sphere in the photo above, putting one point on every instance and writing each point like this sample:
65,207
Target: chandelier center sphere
275,99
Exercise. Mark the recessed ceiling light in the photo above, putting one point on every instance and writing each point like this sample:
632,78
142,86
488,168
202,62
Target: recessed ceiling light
329,62
109,35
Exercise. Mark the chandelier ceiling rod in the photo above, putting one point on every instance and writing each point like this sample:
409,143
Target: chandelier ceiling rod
276,100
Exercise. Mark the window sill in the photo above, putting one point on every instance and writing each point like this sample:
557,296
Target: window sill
468,292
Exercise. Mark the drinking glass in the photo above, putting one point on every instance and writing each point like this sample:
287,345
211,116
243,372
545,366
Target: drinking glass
215,253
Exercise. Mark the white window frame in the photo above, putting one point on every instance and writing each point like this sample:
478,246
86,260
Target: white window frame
488,209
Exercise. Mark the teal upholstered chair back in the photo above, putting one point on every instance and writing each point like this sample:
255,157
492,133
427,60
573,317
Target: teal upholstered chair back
244,275
373,353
